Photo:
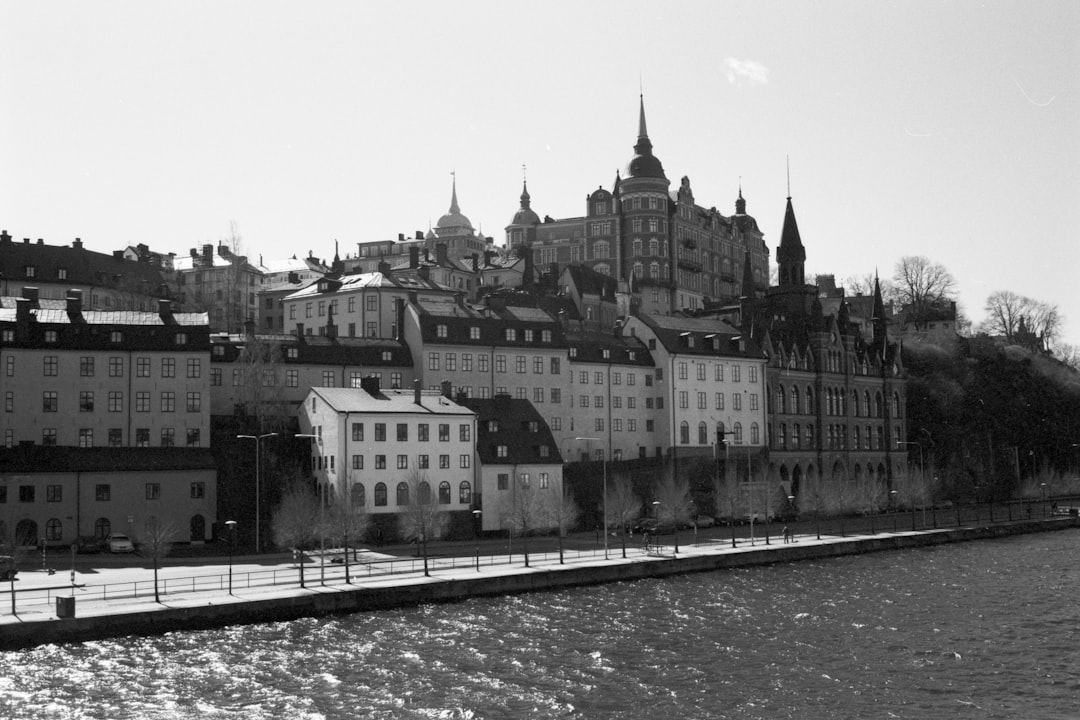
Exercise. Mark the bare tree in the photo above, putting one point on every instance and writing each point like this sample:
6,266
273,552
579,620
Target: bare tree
348,522
1009,315
921,284
156,544
261,394
676,506
864,285
296,520
563,513
623,506
527,512
422,517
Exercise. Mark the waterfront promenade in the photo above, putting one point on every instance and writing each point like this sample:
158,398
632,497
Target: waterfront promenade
109,601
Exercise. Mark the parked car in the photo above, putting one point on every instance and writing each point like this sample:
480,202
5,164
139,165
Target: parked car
703,521
89,545
118,543
8,571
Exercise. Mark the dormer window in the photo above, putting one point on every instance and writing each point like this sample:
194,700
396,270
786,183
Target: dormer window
219,350
181,338
632,356
545,336
61,273
440,331
116,337
511,334
606,353
545,451
474,333
573,352
528,336
501,451
493,426
292,353
386,355
50,336
533,426
31,271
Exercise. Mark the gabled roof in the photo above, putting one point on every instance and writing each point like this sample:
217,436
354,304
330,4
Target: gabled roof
58,458
701,336
621,349
351,283
319,350
519,427
357,400
78,266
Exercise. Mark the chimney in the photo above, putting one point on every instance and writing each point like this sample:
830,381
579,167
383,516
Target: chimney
399,314
5,238
208,254
414,257
401,237
419,234
384,267
22,318
416,391
446,389
424,273
31,294
165,311
370,384
440,255
74,303
77,244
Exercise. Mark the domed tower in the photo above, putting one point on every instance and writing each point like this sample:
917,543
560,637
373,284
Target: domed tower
644,246
455,231
522,228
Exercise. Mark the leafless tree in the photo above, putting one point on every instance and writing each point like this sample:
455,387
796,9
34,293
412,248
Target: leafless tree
676,506
623,506
921,284
1007,312
864,285
527,512
296,520
348,522
423,517
261,394
563,514
157,542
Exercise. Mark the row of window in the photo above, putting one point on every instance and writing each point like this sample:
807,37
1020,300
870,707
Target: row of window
718,370
358,494
49,436
50,366
269,377
449,362
735,435
718,400
401,430
423,462
50,401
836,402
102,492
116,337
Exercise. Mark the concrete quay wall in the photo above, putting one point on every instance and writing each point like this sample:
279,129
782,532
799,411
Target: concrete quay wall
320,601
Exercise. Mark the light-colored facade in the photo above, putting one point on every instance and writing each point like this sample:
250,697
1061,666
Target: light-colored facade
372,442
221,284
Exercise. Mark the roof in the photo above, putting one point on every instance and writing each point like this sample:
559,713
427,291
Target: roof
357,400
711,336
363,281
320,350
74,266
518,426
621,349
52,458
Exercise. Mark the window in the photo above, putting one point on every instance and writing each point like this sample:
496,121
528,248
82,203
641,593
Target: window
53,530
380,494
403,432
328,378
168,437
142,367
153,491
116,367
86,401
500,363
402,494
465,433
198,490
292,378
433,361
736,401
380,462
402,462
444,462
194,402
142,401
380,432
168,401
194,438
444,432
194,368
465,461
684,399
142,437
54,493
86,367
465,492
116,401
545,480
423,432
48,436
102,493
168,367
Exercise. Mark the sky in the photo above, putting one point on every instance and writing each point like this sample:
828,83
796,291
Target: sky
948,129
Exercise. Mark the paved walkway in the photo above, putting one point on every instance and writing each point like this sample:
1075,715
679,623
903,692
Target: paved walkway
120,590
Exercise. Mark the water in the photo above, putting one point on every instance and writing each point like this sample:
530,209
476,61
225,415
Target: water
985,629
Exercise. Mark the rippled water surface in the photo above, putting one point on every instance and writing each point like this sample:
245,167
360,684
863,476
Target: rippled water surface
983,629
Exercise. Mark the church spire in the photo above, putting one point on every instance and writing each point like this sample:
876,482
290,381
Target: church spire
644,145
454,209
791,255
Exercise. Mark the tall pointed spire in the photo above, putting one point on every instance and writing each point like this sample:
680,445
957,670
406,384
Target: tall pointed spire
740,203
791,255
644,163
454,209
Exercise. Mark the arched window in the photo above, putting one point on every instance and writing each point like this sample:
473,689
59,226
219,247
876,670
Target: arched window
783,436
356,495
829,400
855,402
465,493
720,431
880,437
380,494
738,433
26,533
809,435
703,434
878,410
684,433
796,438
53,529
197,526
444,493
809,400
794,399
755,434
866,403
423,494
781,403
896,404
102,528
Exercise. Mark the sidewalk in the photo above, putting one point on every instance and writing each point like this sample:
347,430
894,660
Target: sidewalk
266,588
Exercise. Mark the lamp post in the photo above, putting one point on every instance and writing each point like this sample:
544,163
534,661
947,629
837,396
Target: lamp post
476,521
322,514
892,500
258,445
656,508
1043,486
231,524
590,441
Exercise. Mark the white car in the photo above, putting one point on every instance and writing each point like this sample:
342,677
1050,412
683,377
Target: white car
118,543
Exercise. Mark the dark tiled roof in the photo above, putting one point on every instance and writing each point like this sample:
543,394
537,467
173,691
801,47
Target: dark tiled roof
80,266
590,347
40,458
320,350
514,418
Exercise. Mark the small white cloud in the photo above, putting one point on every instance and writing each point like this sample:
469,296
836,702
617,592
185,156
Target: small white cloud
746,72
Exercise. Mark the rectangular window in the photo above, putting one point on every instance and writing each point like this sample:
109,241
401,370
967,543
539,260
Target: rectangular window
702,401
719,373
50,366
358,432
465,433
555,366
465,460
142,437
86,437
116,401
168,437
26,494
684,399
433,361
168,367
48,436
292,378
194,438
357,462
328,378
403,432
700,371
116,367
198,490
504,481
153,491
444,432
423,432
538,366
194,402
380,432
194,368
142,367
719,401
402,462
86,367
168,401
215,377
482,363
753,401
9,401
86,401
444,462
380,462
54,493
519,363
736,401
735,373
102,493
500,363
556,395
423,462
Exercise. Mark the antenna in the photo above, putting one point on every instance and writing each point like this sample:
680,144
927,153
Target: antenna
524,174
787,162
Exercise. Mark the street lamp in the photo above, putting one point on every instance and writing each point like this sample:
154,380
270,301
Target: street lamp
892,499
590,441
258,455
322,515
231,524
476,532
1043,486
